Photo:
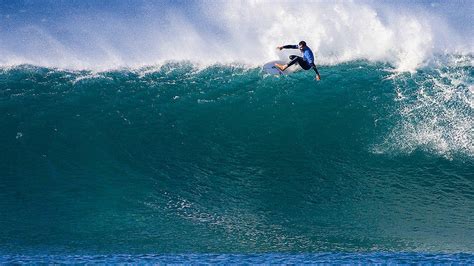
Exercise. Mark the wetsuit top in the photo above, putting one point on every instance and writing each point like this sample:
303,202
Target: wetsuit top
308,55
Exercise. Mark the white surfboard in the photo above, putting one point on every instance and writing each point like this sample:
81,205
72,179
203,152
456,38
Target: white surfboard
271,69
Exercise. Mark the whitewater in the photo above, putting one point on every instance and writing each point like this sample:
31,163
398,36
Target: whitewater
405,35
149,133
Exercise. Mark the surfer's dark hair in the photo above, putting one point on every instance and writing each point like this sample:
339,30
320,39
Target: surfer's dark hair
302,43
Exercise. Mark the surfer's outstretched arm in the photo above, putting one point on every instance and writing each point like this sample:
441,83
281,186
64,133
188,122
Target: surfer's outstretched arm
290,46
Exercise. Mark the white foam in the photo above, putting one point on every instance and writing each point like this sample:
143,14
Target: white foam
235,31
437,116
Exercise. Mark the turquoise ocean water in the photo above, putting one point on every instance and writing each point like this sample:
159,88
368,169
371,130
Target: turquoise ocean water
146,132
365,165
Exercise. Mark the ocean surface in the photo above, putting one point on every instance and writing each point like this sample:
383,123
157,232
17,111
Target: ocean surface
147,132
177,159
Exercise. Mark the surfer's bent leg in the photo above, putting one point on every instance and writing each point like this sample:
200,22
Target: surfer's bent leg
294,59
298,59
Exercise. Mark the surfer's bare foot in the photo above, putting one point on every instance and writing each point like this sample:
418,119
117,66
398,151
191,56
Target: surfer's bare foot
281,67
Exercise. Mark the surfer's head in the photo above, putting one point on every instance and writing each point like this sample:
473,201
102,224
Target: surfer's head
302,45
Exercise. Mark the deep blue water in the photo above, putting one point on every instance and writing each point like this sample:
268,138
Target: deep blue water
320,258
366,165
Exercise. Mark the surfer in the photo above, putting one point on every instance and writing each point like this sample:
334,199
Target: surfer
306,62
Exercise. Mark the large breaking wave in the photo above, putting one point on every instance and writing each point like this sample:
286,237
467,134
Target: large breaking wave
160,133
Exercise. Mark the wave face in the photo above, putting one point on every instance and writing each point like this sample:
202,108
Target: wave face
177,158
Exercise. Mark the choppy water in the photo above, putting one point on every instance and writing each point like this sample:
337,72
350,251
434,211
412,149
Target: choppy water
177,159
254,259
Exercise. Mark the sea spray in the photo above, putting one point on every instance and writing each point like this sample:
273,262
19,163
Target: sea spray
227,32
